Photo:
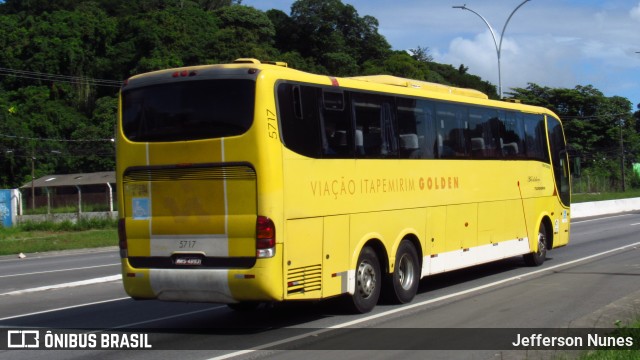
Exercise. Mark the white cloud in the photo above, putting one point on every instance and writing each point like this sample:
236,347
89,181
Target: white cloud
578,46
529,59
548,42
635,12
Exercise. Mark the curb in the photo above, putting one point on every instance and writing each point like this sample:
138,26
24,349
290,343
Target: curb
596,208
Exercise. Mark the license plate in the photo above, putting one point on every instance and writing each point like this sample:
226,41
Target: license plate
188,261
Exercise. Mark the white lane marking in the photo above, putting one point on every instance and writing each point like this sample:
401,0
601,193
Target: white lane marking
108,301
415,305
63,308
61,253
168,317
634,224
575,221
66,285
61,270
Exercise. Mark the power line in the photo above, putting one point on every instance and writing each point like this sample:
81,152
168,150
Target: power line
33,75
54,140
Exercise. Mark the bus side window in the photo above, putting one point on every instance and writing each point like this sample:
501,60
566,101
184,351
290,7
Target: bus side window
408,118
512,138
375,119
427,131
484,133
451,120
559,159
416,128
337,139
299,119
536,137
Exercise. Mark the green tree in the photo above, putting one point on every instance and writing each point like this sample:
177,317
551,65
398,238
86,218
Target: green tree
165,38
401,64
217,4
62,47
36,7
593,125
334,34
36,122
244,32
92,148
421,54
66,43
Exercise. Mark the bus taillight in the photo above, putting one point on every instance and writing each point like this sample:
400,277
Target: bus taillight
265,237
122,237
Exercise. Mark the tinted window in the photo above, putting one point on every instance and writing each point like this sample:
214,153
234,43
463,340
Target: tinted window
452,126
328,122
188,110
337,135
512,139
300,118
536,137
485,130
559,159
416,128
314,121
375,120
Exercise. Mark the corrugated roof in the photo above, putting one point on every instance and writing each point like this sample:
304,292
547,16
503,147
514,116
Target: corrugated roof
73,180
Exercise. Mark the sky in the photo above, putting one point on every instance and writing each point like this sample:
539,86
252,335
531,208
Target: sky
554,43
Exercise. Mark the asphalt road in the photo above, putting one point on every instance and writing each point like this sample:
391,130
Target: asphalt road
588,284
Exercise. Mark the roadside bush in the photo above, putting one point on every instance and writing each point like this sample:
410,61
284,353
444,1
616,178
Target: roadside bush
82,225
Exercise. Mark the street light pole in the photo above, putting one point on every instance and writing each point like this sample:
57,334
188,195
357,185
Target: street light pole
493,34
622,155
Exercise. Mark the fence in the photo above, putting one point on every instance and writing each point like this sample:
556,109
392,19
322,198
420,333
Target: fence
72,217
594,184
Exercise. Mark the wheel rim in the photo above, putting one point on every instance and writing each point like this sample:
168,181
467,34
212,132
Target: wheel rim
366,279
542,244
406,274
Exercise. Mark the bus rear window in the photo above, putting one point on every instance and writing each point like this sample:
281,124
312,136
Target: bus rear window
188,110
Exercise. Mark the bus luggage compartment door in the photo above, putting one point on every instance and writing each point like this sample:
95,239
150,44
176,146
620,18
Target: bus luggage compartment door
193,216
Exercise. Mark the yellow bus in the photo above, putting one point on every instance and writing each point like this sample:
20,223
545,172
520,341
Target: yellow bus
253,182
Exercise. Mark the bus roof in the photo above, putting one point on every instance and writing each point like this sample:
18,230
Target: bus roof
391,80
417,84
425,86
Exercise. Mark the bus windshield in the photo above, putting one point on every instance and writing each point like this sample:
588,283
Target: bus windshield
188,110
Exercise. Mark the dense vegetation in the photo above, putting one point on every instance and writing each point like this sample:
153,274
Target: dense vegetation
598,128
62,62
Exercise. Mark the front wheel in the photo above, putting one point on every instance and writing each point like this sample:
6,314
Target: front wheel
367,289
402,286
538,257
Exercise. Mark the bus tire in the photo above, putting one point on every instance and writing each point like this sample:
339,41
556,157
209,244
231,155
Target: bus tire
368,281
538,257
401,286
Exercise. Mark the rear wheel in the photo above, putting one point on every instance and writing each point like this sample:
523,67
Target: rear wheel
367,290
538,257
402,286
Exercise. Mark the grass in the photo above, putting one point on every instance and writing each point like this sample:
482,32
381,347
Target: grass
32,237
586,197
42,210
632,331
